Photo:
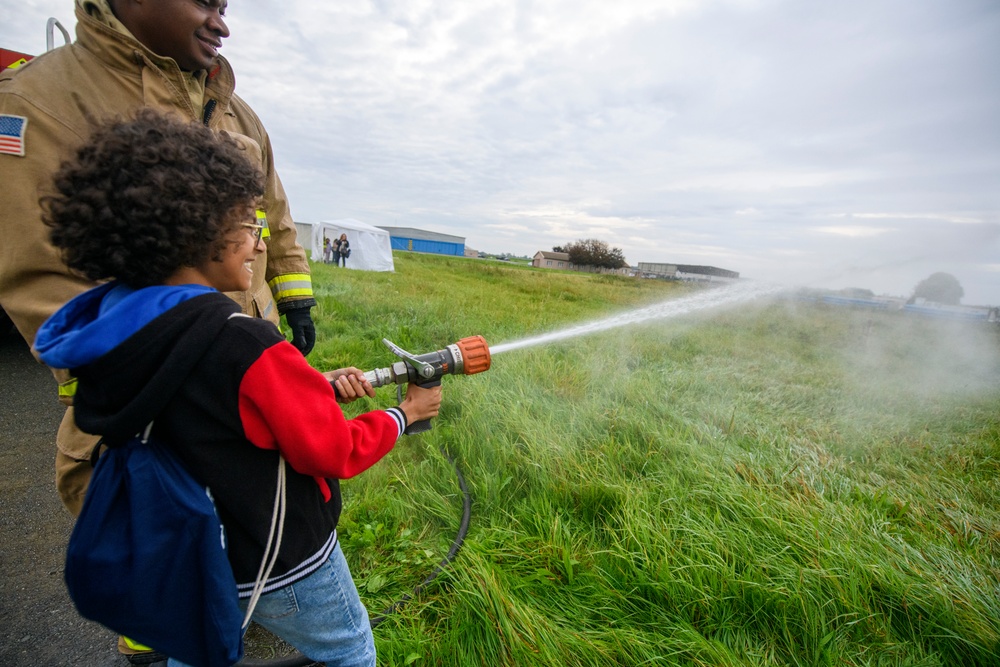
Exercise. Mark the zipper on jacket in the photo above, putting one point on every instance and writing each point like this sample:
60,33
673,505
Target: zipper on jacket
209,108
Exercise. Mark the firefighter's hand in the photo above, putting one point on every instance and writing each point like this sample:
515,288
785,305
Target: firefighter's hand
421,403
303,329
350,384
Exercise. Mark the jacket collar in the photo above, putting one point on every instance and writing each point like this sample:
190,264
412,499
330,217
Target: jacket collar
118,49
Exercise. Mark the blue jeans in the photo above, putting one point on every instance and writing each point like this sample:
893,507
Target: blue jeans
321,615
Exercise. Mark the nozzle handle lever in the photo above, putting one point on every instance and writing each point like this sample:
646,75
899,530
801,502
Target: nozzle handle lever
424,369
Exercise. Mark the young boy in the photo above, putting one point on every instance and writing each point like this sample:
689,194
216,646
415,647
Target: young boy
164,209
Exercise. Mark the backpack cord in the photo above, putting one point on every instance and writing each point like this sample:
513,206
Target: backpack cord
296,659
277,521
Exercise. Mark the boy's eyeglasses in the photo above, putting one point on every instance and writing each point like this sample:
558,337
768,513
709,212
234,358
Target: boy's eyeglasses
257,233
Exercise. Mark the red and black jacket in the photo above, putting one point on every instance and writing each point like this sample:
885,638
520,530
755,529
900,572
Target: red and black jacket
249,396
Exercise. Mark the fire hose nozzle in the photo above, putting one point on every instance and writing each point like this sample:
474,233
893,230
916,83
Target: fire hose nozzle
466,357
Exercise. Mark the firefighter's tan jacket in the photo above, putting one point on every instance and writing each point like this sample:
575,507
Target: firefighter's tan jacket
63,94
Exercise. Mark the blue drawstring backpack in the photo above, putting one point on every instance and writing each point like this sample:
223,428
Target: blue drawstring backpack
147,558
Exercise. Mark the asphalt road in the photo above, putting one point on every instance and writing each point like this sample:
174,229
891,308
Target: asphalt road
38,625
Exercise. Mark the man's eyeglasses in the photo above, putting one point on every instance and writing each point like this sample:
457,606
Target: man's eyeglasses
258,231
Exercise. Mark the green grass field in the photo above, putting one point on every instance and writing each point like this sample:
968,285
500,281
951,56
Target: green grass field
781,483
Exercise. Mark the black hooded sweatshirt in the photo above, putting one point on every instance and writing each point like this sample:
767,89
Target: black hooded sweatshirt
227,392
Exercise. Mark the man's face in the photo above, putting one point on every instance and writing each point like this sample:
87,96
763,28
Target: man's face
189,31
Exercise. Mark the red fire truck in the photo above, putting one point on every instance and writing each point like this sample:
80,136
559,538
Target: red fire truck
12,59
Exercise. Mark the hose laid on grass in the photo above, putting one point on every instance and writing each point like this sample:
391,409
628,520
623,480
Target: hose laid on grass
299,660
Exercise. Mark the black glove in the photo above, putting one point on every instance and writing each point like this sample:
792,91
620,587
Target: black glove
303,329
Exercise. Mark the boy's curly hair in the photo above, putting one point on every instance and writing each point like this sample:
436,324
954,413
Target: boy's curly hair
145,197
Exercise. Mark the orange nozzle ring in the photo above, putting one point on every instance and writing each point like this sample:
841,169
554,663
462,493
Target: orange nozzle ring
475,354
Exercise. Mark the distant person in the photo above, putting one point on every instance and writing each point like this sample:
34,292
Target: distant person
342,250
252,398
327,250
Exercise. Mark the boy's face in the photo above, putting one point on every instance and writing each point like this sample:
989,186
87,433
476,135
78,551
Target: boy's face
232,272
189,31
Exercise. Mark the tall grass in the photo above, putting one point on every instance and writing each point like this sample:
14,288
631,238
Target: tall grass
779,484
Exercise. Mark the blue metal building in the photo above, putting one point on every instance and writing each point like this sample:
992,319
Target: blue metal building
420,240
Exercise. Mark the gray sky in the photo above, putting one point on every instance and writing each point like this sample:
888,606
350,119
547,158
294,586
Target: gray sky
837,144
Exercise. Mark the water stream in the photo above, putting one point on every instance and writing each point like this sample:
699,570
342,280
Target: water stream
738,292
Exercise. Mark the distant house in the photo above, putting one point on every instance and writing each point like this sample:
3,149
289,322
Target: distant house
560,260
421,240
551,260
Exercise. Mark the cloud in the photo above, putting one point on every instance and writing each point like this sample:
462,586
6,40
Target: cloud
849,142
854,231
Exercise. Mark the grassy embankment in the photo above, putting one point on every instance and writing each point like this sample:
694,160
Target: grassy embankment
776,484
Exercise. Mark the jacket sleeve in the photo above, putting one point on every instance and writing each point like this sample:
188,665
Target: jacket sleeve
34,282
287,405
287,273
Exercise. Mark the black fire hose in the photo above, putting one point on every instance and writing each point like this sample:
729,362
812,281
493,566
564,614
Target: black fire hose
299,660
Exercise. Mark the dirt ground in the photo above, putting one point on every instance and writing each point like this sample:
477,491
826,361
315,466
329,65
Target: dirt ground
39,626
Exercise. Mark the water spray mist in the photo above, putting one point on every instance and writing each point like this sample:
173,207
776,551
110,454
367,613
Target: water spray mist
712,298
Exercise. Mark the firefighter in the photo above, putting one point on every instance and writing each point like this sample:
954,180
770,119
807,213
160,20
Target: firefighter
128,54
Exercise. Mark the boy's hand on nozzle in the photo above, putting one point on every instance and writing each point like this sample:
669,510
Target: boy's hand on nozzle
421,403
350,384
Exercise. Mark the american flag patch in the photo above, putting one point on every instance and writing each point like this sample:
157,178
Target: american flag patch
12,134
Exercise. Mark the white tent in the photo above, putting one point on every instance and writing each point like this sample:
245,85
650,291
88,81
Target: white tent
370,249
